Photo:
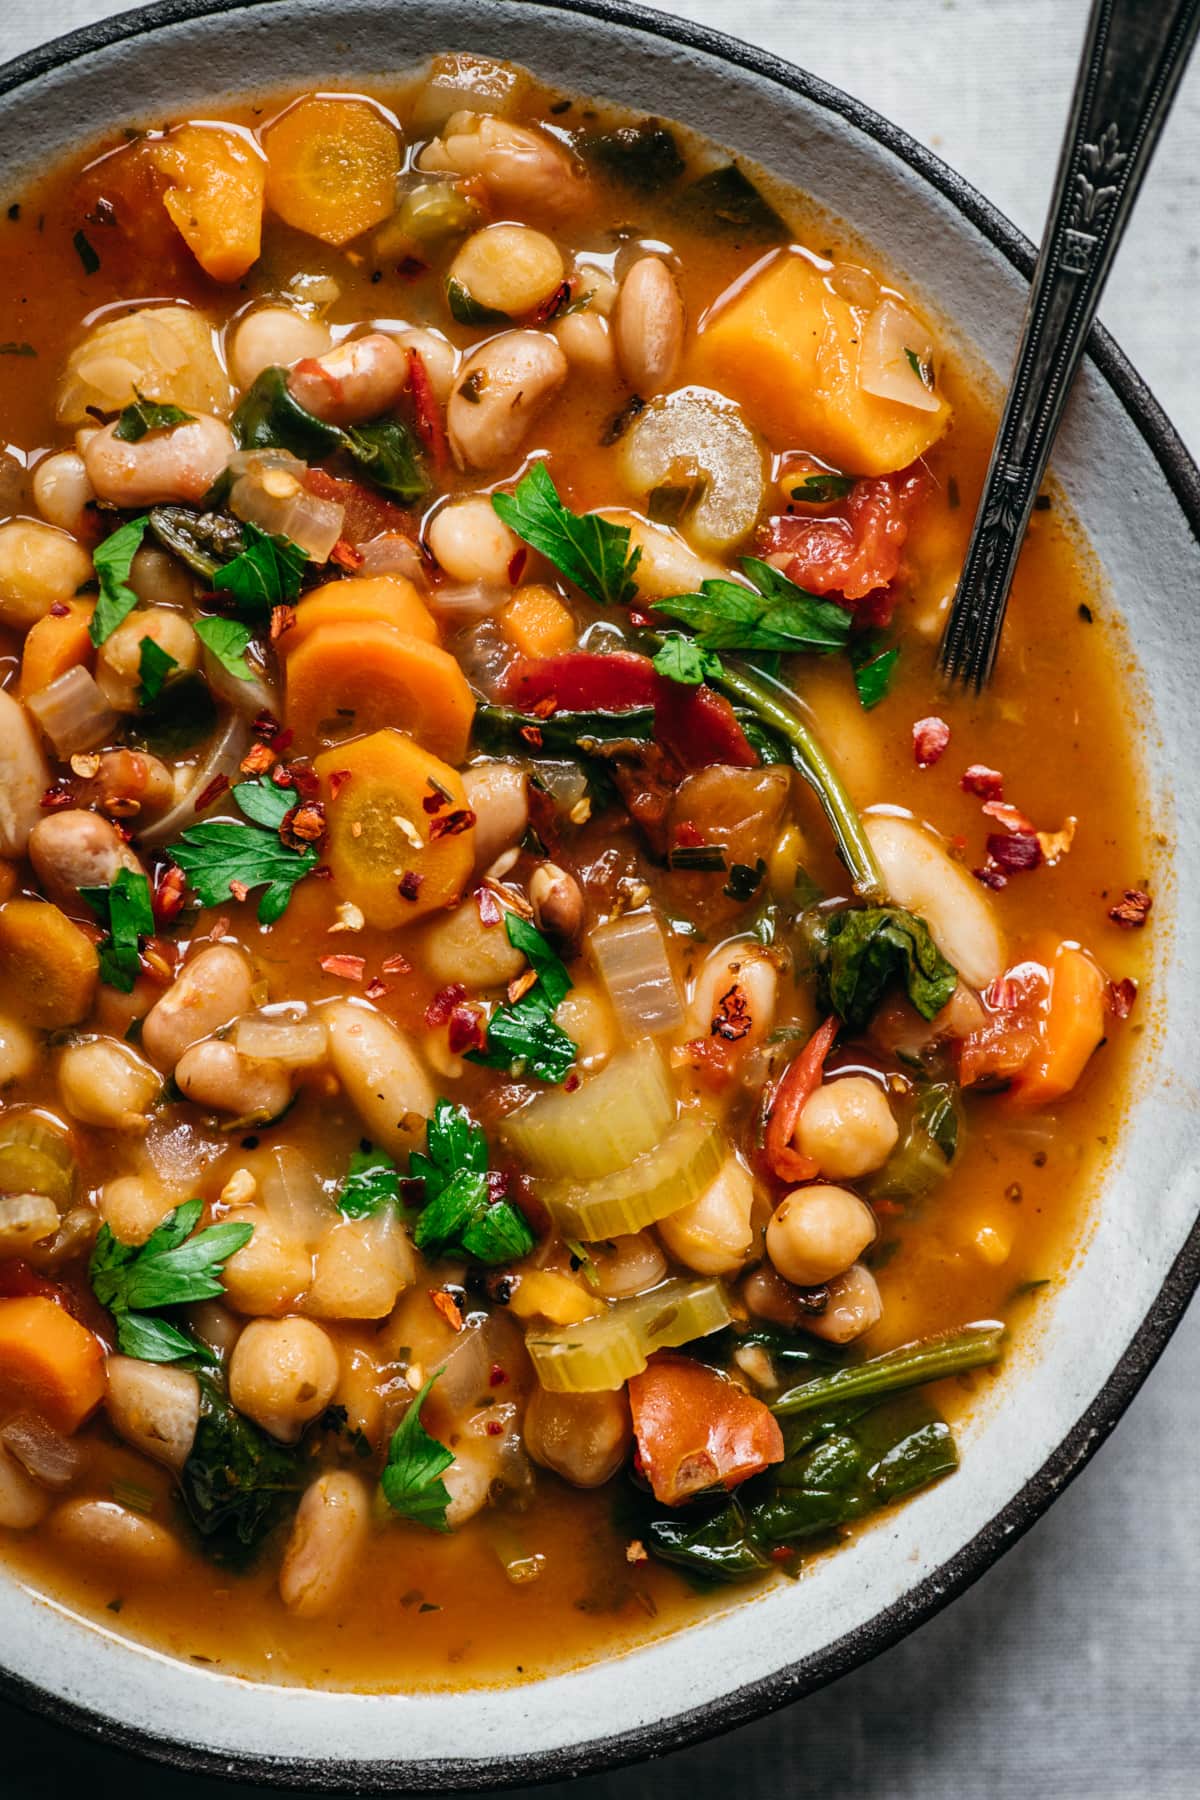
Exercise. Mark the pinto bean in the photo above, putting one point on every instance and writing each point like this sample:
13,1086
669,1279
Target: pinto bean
583,1437
153,1407
128,784
498,795
499,393
209,991
76,849
357,380
734,995
177,465
648,325
215,1074
327,1538
519,167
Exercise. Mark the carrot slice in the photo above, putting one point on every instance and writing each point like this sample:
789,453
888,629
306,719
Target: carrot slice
796,1083
215,200
358,678
48,966
54,645
537,622
395,872
332,164
366,600
49,1362
1072,1027
695,1428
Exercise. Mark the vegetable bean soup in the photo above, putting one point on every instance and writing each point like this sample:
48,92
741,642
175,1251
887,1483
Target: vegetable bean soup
544,1058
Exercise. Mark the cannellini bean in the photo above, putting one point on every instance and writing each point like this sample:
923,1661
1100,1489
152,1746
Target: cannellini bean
499,393
76,849
209,991
132,1207
23,1504
468,1482
159,579
128,784
668,564
816,1233
438,355
357,380
458,946
648,326
282,1373
101,1533
328,1536
104,1082
713,1234
922,877
628,1265
507,268
587,343
215,1074
854,1306
498,794
215,1326
19,1052
119,661
61,489
520,167
153,1407
733,996
381,1073
39,568
360,1269
471,542
853,740
273,337
847,1127
269,1273
587,1017
24,776
583,1437
365,1385
177,465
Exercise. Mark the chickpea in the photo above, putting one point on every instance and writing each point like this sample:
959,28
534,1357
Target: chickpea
582,1437
648,325
159,579
357,380
557,901
847,1128
282,1373
178,465
268,1274
854,1307
458,946
214,1074
328,1536
384,1078
105,1083
273,337
470,541
124,1542
587,343
713,1234
438,355
816,1233
734,995
128,784
119,661
39,567
214,1325
499,393
76,849
23,1504
61,489
154,1407
587,1018
498,794
20,1052
132,1207
508,268
209,991
628,1265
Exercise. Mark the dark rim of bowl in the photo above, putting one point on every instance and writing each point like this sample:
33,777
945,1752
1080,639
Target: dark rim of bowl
1079,1446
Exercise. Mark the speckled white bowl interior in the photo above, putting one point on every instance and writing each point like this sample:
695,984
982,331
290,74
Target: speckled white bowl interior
1139,499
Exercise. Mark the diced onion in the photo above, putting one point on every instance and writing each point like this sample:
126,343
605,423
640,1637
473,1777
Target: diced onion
609,1120
565,782
247,697
893,339
602,1353
695,433
293,1037
35,1158
459,602
654,1186
631,955
73,712
163,353
223,757
268,491
460,81
391,553
44,1453
292,1194
26,1219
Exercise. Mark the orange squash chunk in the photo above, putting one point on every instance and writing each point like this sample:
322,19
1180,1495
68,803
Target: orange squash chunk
48,966
49,1362
538,622
215,198
346,678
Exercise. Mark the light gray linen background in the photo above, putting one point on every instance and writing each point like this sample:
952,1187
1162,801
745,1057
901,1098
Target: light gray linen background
1071,1671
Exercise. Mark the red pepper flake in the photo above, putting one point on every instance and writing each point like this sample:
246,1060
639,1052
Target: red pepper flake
257,760
337,781
516,566
496,1375
552,305
427,414
979,779
409,885
1121,996
545,708
282,776
465,1030
397,965
346,556
1011,817
376,989
489,908
303,825
282,741
344,968
572,1082
782,1553
411,268
265,724
239,890
930,737
58,796
494,1428
212,791
436,799
532,736
169,888
443,1004
449,1308
712,1060
451,824
59,610
991,876
322,873
732,1020
687,835
639,620
1016,852
1132,909
283,618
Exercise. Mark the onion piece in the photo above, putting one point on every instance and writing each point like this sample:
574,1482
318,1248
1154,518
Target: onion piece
289,1036
26,1219
223,757
896,362
461,602
293,1196
162,353
565,782
631,955
391,553
609,1120
51,1459
268,490
73,712
249,697
601,1354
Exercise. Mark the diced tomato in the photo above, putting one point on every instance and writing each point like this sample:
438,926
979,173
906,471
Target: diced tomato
854,549
20,1282
695,724
1000,1048
427,413
367,513
797,1082
695,1428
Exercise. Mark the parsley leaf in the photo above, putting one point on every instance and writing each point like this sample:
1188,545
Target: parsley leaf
125,908
156,1340
822,488
216,854
113,560
685,660
591,551
171,1268
863,953
453,1142
522,1036
779,616
372,1180
147,415
227,640
269,417
412,1476
154,665
264,801
460,1213
873,669
266,573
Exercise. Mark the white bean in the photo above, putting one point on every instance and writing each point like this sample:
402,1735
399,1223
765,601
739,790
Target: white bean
177,465
159,579
40,567
273,337
269,1273
628,1265
381,1073
24,776
587,1017
102,1533
854,1306
847,1127
360,1269
104,1082
76,849
215,1074
153,1407
922,877
587,343
438,355
357,380
498,794
713,1234
648,325
583,1437
20,1052
458,946
816,1233
209,991
520,167
471,542
668,564
328,1536
733,996
282,1373
499,393
61,489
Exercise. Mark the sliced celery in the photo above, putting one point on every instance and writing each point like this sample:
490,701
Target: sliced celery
35,1158
603,1353
654,1186
603,1125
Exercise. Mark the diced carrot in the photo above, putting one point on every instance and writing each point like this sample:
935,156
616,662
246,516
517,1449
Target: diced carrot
375,599
349,678
538,622
395,872
215,198
49,1362
48,966
332,164
695,1428
55,644
1072,1028
796,1083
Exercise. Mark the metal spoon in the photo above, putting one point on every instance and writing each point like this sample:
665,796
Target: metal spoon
1133,57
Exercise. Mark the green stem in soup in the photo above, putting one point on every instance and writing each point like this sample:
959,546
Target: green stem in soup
929,1359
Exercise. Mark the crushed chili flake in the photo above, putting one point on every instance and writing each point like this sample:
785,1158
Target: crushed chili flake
930,737
731,1019
239,890
265,724
516,565
436,798
57,796
1011,817
283,618
396,964
1055,844
448,1306
443,1004
494,1428
346,556
1132,909
552,305
687,835
282,741
496,1375
546,707
1121,996
337,781
1015,852
409,885
376,989
991,876
711,1059
212,791
979,779
532,736
257,760
520,985
636,1551
639,620
572,1082
169,887
488,907
345,968
466,1030
282,776
59,610
451,824
303,825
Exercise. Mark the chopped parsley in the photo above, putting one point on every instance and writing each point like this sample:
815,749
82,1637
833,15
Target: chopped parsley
172,1268
227,640
822,488
113,560
144,416
462,1213
154,666
125,908
267,571
773,615
222,855
685,660
17,349
921,367
86,252
522,1036
589,550
873,670
372,1181
412,1476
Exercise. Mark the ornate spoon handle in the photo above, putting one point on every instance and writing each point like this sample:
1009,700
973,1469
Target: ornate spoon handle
1133,57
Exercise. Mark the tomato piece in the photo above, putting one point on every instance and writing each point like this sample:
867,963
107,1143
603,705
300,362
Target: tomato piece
695,724
797,1082
696,1428
367,513
854,549
20,1282
1000,1048
427,413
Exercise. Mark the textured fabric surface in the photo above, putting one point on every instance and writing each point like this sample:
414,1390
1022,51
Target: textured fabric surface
1071,1669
